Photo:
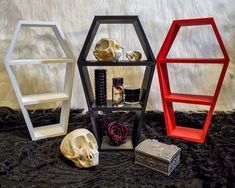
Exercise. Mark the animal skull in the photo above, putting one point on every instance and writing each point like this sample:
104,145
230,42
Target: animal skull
108,50
133,55
81,147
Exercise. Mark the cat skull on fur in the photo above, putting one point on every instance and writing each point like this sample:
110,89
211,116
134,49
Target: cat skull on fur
108,50
80,146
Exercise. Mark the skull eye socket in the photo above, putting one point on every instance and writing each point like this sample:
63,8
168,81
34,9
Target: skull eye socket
91,138
80,142
103,45
90,145
117,46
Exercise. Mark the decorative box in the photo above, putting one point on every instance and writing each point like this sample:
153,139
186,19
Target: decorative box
158,156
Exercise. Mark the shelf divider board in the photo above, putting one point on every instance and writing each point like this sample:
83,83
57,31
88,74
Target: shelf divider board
187,133
43,98
116,63
125,146
195,135
148,64
65,96
109,106
189,98
192,60
48,131
39,61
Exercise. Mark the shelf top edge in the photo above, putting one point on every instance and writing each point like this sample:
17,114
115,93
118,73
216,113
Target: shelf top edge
116,19
119,63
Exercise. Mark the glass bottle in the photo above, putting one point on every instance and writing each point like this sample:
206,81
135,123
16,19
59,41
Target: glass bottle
117,92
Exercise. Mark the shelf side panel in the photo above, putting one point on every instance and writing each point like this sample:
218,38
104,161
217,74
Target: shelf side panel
143,40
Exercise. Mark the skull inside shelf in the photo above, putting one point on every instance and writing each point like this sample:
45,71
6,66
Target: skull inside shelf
111,50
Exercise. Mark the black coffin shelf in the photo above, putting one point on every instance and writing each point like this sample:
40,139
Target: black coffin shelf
149,65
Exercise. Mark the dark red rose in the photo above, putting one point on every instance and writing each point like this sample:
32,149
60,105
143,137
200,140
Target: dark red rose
117,132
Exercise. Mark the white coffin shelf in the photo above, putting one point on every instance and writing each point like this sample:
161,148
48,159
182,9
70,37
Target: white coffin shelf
47,130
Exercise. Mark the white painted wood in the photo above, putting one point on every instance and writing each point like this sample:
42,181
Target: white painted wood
36,23
62,40
39,61
44,98
47,130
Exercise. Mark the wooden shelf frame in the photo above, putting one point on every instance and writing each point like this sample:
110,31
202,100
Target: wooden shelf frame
168,97
149,65
47,130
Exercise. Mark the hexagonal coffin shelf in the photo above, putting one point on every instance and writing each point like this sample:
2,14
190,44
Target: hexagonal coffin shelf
149,65
191,134
65,97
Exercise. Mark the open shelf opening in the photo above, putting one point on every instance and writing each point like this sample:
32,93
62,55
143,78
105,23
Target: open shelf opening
44,117
132,77
126,118
39,42
40,79
124,34
195,79
190,115
197,42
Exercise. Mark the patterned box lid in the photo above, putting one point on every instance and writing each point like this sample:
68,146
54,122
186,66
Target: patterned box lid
158,150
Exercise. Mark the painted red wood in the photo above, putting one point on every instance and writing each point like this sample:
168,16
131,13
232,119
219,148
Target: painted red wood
191,60
188,98
191,134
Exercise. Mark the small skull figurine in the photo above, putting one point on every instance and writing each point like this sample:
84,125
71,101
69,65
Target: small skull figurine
108,50
81,147
133,55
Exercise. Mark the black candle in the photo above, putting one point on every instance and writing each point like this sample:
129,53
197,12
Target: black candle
100,87
132,95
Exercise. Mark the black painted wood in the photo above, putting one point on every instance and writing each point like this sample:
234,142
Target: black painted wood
119,63
146,84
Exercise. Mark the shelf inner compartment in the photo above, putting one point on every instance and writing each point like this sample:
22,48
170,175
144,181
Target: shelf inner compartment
187,133
125,146
48,131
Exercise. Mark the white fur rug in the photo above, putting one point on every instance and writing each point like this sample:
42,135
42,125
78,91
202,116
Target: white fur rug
75,17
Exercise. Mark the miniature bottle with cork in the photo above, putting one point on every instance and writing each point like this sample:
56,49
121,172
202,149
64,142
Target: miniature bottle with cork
117,92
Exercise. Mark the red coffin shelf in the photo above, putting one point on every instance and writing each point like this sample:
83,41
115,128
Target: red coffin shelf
191,134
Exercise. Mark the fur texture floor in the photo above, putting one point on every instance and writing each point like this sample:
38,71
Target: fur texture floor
75,17
26,163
